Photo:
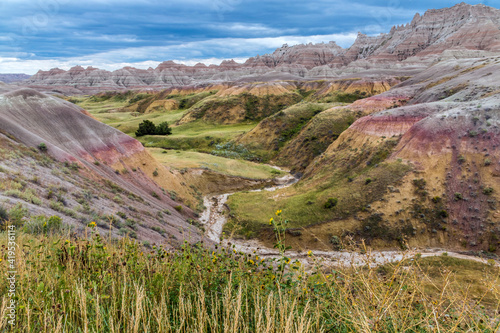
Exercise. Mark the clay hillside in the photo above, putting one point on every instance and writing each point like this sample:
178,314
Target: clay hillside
57,160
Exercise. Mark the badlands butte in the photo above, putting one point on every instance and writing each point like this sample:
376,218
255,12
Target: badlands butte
394,141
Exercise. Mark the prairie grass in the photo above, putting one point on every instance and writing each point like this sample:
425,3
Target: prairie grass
94,284
189,159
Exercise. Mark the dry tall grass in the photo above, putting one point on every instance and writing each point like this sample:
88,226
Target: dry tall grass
96,285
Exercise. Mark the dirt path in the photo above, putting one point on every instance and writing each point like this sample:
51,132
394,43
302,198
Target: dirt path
214,218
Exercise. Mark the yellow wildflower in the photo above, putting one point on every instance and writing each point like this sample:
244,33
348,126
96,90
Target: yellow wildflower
251,262
309,253
92,224
278,212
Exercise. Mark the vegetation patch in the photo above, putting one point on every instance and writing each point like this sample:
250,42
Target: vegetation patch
97,284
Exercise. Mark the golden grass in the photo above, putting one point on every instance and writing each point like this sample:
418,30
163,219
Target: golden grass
91,285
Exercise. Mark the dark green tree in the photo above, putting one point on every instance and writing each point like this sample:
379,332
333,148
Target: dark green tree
163,129
146,128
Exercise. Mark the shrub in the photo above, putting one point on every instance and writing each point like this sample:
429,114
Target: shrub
178,208
145,128
122,215
17,213
131,224
155,195
436,199
458,196
488,190
368,181
155,173
118,199
42,225
163,129
335,241
330,203
42,147
159,230
4,215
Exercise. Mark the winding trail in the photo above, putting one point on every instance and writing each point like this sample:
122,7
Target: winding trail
214,218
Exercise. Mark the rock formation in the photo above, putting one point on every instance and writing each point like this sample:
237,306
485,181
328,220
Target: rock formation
458,30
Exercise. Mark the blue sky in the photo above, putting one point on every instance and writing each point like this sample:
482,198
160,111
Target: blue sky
110,34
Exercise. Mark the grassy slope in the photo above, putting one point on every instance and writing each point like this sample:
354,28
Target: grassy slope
198,135
275,131
187,159
351,176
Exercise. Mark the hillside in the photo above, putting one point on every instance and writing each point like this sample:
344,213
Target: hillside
58,160
426,172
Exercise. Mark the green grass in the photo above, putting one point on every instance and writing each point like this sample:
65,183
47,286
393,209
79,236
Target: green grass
187,159
304,203
128,122
96,106
198,136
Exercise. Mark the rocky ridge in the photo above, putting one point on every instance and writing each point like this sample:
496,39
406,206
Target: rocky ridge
462,30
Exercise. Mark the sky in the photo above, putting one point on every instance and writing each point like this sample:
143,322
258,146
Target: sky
111,34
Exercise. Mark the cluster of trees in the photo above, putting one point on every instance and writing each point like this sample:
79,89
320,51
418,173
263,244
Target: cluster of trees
147,127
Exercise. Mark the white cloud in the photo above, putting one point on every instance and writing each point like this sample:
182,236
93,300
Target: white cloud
248,28
211,51
106,38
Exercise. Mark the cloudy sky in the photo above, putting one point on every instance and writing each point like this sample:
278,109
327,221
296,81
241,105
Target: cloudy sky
110,34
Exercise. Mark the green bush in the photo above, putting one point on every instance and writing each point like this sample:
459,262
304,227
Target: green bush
163,129
147,127
178,208
4,215
331,202
42,225
17,213
436,199
42,147
488,190
122,215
